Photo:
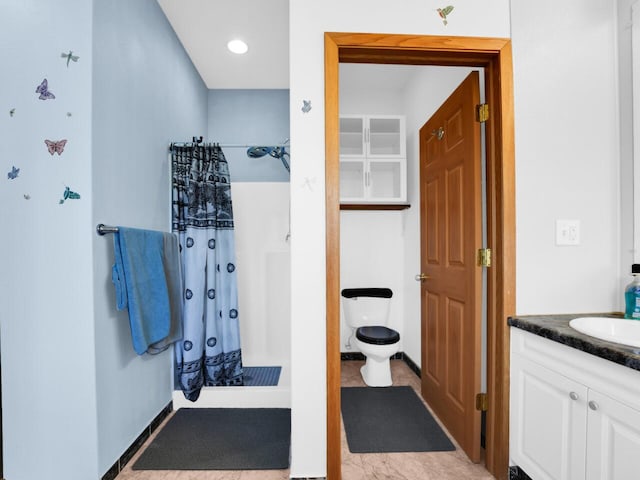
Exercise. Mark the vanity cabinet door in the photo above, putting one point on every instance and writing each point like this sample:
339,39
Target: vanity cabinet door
613,442
548,422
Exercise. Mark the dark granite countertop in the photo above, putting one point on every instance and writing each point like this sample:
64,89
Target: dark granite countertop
557,329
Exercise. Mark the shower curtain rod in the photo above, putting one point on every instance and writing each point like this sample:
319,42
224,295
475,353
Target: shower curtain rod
231,145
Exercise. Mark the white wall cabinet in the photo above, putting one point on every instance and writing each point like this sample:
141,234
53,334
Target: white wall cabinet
373,162
562,425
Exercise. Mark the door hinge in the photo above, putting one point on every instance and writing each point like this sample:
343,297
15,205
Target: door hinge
484,257
481,402
482,112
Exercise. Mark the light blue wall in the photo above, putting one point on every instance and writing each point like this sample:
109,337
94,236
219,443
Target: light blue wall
46,304
74,394
146,95
254,117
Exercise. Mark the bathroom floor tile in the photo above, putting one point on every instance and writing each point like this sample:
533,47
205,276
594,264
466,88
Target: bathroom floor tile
403,466
388,466
128,474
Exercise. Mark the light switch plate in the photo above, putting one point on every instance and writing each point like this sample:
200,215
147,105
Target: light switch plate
567,232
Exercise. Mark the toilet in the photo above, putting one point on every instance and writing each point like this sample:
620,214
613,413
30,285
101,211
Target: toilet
366,312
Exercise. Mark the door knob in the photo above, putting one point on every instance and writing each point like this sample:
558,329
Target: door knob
422,277
593,405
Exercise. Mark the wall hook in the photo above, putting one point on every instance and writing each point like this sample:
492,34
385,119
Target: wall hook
438,133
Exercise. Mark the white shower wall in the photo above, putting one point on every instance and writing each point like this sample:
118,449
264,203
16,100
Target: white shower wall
261,217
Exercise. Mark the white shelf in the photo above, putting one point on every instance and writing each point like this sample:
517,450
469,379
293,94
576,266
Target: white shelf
372,159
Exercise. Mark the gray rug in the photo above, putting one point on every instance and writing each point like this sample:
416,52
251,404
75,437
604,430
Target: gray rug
221,439
389,419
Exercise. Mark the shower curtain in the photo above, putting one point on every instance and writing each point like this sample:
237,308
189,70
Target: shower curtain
209,354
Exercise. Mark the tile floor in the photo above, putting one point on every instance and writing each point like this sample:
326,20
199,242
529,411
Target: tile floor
403,466
390,466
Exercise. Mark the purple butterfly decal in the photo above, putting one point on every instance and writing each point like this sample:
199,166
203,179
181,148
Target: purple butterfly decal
56,147
13,173
43,90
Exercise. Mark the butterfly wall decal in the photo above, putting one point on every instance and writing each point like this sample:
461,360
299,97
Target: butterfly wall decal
12,112
43,90
444,12
69,56
69,195
55,147
12,175
306,106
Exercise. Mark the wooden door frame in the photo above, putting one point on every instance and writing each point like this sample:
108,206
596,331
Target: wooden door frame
494,55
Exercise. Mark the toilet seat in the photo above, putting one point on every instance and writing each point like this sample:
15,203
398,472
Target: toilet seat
367,292
377,335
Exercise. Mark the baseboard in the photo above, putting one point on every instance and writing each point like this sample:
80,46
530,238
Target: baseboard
412,365
347,356
117,467
516,473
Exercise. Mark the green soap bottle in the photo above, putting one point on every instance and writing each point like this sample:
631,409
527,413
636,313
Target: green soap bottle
632,295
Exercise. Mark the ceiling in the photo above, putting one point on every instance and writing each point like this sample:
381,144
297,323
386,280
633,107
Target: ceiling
205,26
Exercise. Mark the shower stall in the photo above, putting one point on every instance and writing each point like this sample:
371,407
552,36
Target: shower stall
261,216
262,256
252,128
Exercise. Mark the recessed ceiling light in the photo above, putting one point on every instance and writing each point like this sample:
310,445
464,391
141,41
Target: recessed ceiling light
237,46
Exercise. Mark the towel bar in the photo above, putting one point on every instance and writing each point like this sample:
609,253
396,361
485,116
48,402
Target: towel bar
103,229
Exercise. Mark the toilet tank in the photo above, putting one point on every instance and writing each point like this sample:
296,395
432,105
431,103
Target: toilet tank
366,306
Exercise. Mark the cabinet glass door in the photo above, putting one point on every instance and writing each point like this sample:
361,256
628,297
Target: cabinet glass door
352,180
352,136
385,136
385,180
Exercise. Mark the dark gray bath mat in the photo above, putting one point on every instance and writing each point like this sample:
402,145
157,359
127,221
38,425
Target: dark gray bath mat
261,376
389,419
221,439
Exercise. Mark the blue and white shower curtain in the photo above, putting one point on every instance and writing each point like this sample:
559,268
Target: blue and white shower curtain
209,354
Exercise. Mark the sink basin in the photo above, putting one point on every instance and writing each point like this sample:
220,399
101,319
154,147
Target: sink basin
617,330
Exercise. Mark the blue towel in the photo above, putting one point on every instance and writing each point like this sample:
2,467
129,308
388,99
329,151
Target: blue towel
139,277
173,274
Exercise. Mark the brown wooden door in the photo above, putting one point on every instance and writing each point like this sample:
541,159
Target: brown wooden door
451,233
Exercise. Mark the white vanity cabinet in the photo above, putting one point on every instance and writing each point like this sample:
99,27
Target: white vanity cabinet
373,162
573,416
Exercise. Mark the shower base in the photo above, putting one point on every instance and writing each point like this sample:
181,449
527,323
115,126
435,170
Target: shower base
240,397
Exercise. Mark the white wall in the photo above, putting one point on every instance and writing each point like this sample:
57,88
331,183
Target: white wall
261,218
371,254
309,20
567,155
371,243
629,253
